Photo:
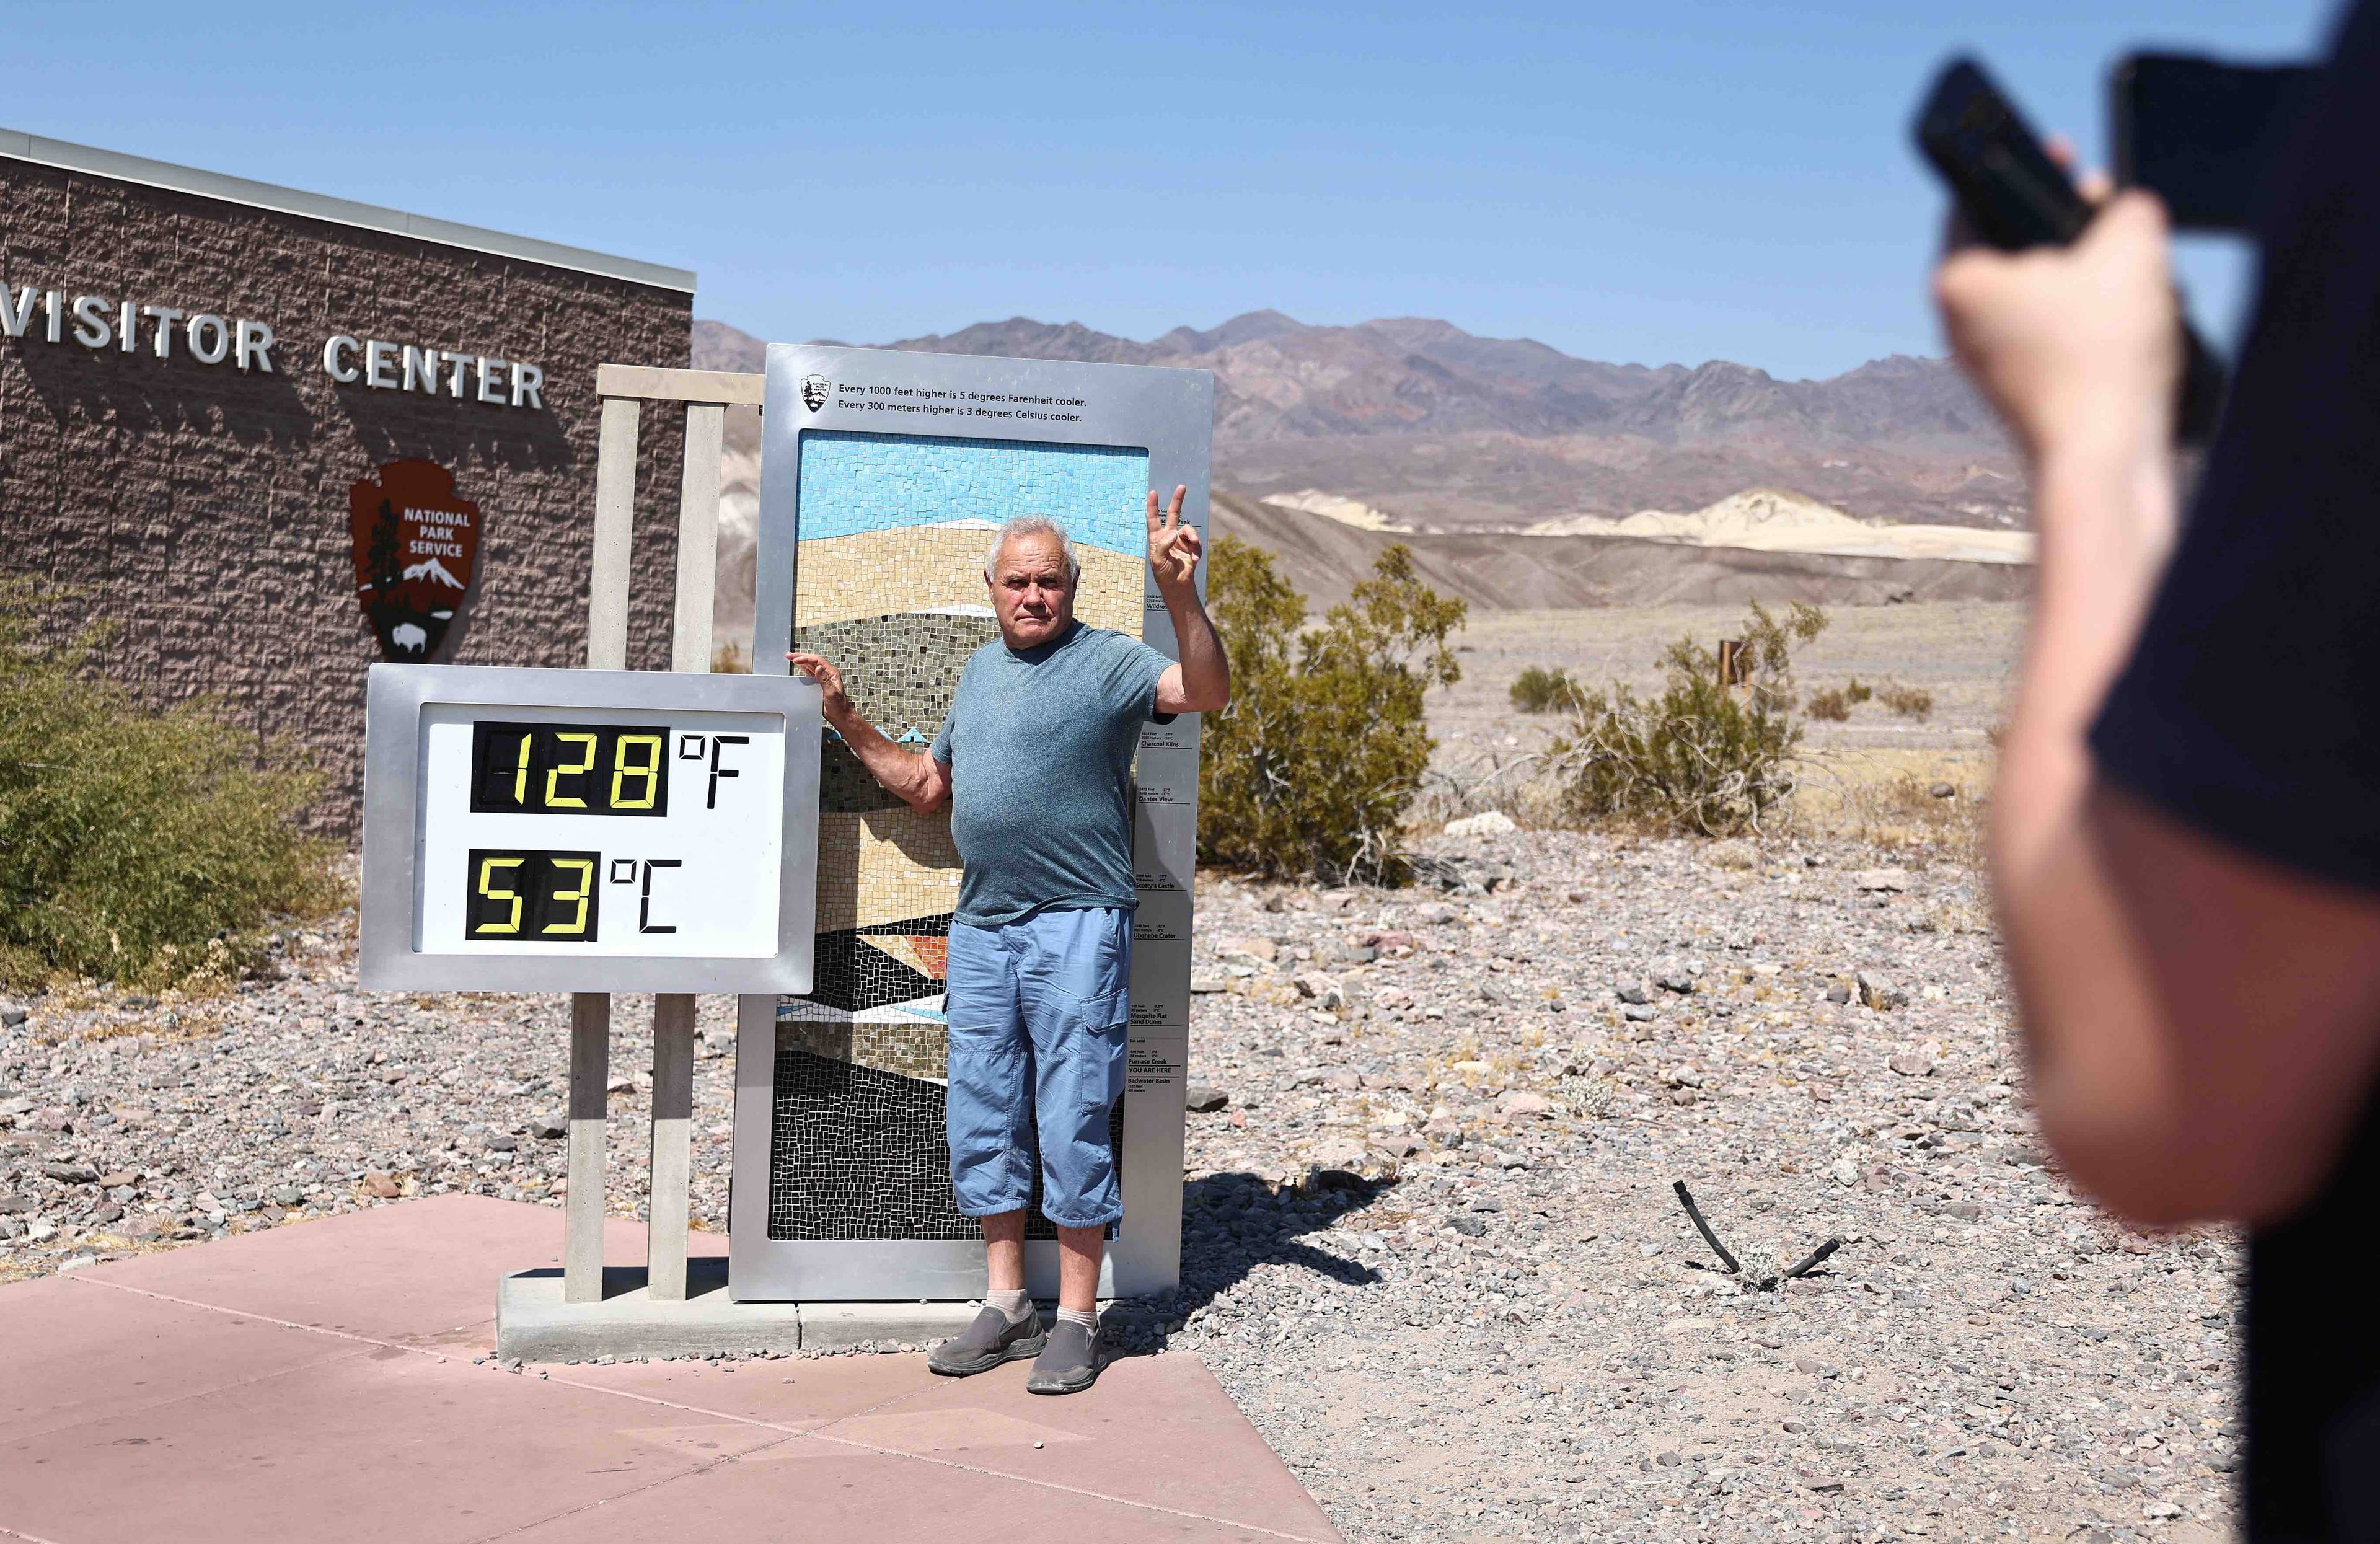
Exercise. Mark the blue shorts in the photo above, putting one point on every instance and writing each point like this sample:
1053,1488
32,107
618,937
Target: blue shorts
1038,1011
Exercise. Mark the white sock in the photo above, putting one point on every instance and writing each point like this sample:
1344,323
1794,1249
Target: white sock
1087,1318
1016,1306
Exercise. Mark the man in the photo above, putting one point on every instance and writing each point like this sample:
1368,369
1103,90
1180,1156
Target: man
1034,761
2186,840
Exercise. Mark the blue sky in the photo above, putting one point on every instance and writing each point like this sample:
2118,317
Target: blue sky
1681,181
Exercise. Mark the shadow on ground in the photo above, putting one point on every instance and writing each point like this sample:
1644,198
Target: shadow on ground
1233,1223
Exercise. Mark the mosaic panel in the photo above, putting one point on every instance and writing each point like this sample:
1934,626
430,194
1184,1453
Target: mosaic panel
853,482
888,585
939,569
881,866
856,1151
910,665
857,970
918,1051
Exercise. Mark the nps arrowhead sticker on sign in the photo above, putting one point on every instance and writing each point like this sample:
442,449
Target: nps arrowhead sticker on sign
416,543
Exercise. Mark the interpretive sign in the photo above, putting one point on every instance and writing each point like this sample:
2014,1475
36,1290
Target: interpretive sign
588,830
884,477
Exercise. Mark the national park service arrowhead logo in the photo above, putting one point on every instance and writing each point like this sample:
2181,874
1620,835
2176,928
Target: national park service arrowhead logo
813,392
416,544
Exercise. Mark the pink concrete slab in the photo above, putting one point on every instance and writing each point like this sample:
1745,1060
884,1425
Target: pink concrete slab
797,1491
75,1351
791,1392
424,1271
391,1445
1156,1429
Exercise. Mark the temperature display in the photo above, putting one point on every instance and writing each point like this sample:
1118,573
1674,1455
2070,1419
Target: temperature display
589,831
548,898
570,769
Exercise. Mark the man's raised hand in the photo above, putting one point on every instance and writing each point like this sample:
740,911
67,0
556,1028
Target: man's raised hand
1174,548
833,702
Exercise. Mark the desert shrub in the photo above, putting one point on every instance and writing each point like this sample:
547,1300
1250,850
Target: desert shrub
1539,690
135,846
1836,703
1908,701
1311,769
1700,757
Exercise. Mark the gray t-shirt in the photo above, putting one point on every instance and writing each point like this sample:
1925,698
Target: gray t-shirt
1039,744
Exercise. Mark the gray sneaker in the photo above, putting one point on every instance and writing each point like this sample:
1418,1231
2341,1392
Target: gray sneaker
1069,1364
987,1343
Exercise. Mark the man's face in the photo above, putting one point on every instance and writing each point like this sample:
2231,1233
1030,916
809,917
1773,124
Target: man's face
1030,592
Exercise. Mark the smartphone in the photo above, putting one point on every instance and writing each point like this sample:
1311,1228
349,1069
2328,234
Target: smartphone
2009,189
2203,135
2014,196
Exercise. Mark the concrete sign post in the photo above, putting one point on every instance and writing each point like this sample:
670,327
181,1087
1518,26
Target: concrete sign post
884,476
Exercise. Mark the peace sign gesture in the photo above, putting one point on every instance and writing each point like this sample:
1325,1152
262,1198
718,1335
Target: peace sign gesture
1174,548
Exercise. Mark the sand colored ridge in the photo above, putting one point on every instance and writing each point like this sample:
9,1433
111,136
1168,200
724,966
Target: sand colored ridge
1771,520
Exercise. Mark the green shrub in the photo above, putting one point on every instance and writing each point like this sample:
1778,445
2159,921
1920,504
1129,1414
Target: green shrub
135,846
1700,757
1539,690
1834,705
1311,769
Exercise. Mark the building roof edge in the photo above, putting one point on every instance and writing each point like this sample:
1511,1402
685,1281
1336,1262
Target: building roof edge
17,145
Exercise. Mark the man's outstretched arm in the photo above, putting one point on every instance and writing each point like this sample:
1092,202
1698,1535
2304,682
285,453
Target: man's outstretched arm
1201,683
912,776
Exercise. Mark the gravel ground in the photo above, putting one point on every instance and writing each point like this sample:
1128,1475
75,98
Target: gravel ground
1432,1248
1522,1337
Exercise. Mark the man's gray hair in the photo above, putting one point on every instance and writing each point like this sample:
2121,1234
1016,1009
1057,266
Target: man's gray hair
1034,525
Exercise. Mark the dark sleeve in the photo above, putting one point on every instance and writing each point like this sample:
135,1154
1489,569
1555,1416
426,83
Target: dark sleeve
2248,708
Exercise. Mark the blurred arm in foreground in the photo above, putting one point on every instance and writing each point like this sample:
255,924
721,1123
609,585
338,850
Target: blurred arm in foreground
2187,843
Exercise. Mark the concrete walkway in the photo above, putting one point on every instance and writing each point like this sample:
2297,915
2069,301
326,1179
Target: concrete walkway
315,1381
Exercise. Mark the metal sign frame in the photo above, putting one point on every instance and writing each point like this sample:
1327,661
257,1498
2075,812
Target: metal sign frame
394,697
1170,413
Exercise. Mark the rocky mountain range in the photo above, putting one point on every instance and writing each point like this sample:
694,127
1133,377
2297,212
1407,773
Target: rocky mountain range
1443,430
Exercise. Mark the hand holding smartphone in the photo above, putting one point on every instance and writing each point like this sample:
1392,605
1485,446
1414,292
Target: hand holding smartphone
2014,197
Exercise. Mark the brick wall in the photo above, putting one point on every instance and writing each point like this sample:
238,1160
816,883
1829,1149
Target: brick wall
204,511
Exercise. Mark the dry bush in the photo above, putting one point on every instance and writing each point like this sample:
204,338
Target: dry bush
141,847
1836,703
1908,701
1700,758
1886,799
1314,767
1539,690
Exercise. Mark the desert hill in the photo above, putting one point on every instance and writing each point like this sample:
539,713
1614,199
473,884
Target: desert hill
1454,432
1766,520
1500,570
1523,477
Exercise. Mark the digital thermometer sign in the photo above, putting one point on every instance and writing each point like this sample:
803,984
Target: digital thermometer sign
589,831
